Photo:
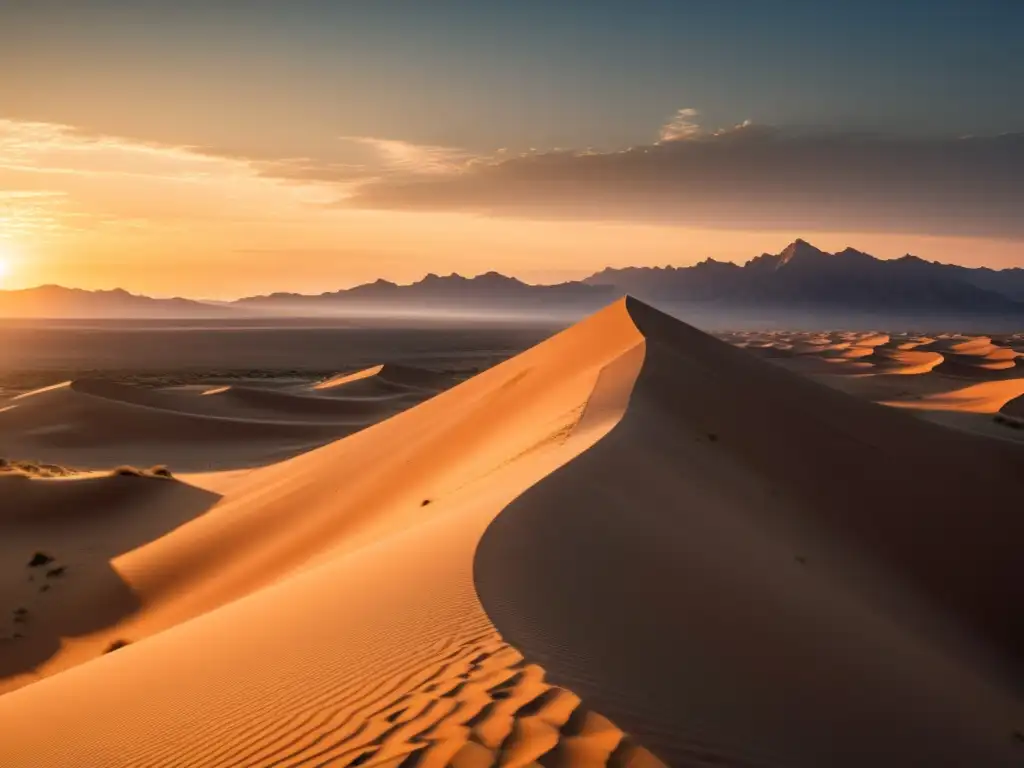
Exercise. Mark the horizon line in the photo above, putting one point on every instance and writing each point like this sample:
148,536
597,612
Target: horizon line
456,274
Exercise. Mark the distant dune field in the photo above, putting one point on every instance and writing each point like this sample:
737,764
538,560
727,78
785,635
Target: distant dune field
631,545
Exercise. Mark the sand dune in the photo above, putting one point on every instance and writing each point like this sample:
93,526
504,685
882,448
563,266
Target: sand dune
736,457
955,380
361,626
986,397
962,356
972,356
905,361
93,423
82,524
385,379
1014,407
275,404
732,563
969,383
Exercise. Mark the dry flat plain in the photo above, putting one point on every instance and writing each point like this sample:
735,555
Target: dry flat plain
632,544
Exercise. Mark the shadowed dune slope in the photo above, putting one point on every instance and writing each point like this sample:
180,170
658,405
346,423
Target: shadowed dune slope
67,610
1014,407
754,570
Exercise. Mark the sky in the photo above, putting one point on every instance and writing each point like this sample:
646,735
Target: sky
224,148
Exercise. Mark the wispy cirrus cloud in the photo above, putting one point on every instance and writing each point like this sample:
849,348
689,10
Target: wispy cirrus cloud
88,178
60,149
55,177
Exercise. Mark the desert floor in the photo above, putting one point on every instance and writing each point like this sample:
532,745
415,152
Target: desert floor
631,544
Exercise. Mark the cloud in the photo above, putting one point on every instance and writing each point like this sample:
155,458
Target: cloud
60,149
746,177
26,212
682,126
416,159
56,178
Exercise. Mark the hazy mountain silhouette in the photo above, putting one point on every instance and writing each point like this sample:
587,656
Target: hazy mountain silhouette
1009,282
55,302
802,277
491,292
801,285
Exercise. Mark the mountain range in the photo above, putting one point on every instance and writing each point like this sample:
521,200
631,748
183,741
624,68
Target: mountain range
801,281
802,276
54,301
490,293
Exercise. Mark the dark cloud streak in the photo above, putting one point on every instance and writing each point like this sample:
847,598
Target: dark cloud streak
748,177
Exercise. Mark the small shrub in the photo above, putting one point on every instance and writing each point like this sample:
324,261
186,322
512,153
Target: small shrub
54,573
39,559
426,502
160,471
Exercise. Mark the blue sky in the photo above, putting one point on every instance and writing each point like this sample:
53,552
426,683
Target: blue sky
517,74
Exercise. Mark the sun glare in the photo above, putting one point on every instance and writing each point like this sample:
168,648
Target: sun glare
5,262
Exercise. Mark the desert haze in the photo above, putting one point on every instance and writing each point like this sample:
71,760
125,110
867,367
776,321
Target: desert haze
628,545
800,287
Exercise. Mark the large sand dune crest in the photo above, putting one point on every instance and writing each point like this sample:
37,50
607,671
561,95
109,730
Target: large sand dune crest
762,571
737,566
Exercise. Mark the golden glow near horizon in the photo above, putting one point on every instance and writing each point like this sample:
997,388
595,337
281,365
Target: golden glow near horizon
102,212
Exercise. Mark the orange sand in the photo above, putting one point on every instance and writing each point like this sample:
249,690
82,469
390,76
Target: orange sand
730,562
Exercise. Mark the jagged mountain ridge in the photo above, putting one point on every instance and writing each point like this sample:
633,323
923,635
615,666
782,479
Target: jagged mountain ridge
799,278
489,293
802,276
